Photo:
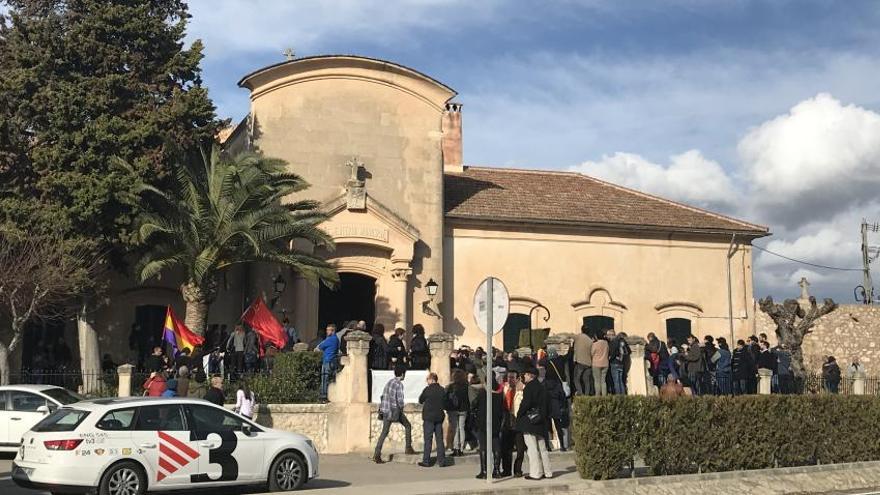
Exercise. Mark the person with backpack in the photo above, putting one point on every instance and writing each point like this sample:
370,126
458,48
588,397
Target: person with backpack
245,400
391,411
420,354
457,407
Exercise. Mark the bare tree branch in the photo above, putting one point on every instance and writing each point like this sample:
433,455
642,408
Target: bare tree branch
793,323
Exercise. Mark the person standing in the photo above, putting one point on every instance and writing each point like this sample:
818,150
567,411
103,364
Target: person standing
154,362
481,409
155,385
783,369
583,362
377,356
600,365
433,399
391,411
214,394
557,401
458,405
397,349
292,334
742,368
329,348
531,420
196,388
420,354
766,359
695,365
251,350
235,349
245,401
511,439
618,354
722,361
170,388
831,375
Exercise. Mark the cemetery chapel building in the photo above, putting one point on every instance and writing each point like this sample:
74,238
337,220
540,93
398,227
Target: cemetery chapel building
381,146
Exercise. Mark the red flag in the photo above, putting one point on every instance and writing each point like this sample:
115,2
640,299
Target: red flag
260,318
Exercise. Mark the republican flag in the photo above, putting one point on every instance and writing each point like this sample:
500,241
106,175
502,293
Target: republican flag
260,318
177,335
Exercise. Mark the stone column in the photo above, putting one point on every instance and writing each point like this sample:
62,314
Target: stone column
89,354
765,377
441,344
637,379
400,289
858,383
124,372
349,417
351,382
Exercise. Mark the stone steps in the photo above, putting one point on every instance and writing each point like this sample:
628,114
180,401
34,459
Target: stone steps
471,458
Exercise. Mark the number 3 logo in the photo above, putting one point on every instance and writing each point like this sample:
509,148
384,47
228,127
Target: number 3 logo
221,455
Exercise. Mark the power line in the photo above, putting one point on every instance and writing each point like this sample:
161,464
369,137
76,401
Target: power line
807,262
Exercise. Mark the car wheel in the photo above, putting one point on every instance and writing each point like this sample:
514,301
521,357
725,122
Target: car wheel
288,472
125,478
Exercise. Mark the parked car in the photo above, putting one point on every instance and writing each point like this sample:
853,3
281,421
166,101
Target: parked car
132,445
23,406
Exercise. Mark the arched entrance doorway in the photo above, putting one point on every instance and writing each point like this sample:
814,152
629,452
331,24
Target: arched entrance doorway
353,299
597,325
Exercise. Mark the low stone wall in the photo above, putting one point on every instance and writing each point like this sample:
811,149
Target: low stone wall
396,441
850,330
312,420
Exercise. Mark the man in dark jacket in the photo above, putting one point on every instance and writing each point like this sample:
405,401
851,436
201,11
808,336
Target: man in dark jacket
377,356
783,369
482,428
531,420
695,365
214,394
743,368
433,400
420,354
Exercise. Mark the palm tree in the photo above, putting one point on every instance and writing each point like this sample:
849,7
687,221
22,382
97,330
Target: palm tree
226,211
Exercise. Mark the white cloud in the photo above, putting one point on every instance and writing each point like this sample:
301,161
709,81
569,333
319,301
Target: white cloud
820,158
689,177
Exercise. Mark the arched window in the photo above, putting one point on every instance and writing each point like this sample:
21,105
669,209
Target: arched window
677,330
598,325
513,327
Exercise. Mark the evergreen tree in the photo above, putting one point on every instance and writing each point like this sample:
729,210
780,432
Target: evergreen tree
82,82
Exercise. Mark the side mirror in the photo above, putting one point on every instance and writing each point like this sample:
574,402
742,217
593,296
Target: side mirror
43,409
246,429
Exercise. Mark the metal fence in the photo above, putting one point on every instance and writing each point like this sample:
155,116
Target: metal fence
90,384
815,384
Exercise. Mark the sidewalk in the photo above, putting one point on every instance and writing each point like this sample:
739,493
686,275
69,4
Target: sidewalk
356,474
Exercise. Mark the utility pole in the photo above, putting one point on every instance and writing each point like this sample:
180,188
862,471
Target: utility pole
866,261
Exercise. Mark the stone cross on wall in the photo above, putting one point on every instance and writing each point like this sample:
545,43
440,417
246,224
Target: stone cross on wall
804,285
356,189
289,54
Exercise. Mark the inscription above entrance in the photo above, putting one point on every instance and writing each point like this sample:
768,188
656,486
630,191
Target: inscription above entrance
362,231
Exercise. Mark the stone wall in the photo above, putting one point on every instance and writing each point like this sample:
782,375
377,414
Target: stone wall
396,441
311,420
851,330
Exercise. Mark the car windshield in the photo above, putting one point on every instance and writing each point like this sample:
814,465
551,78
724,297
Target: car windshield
64,419
62,395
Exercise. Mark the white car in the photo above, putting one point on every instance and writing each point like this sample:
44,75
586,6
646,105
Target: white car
23,406
132,445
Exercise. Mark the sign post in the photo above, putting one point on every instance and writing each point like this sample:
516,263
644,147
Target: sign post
491,307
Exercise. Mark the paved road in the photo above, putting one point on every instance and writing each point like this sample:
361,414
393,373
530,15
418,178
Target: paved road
355,474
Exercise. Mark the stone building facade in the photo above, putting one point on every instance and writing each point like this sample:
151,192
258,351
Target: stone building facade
381,146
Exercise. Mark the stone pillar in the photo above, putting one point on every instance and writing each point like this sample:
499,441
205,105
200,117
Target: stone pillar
637,379
554,341
124,372
566,341
89,354
351,383
441,344
765,377
400,290
858,383
301,347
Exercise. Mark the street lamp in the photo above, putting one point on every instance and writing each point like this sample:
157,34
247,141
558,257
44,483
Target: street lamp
431,288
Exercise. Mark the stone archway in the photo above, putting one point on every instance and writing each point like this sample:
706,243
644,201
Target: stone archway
354,298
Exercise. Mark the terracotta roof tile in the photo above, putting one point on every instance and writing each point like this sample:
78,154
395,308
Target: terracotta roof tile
573,198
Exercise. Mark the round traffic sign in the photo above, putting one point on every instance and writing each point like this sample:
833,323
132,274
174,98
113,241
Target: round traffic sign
499,302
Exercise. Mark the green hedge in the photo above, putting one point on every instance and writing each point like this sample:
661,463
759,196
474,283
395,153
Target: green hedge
295,378
708,434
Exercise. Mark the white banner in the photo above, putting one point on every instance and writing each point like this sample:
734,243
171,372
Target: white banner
413,384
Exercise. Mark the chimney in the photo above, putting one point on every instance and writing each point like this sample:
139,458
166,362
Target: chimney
451,142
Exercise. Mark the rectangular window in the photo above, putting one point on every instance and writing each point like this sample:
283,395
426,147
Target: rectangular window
26,401
61,420
121,419
3,397
207,418
167,417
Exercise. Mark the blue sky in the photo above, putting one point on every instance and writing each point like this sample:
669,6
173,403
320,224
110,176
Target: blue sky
763,110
